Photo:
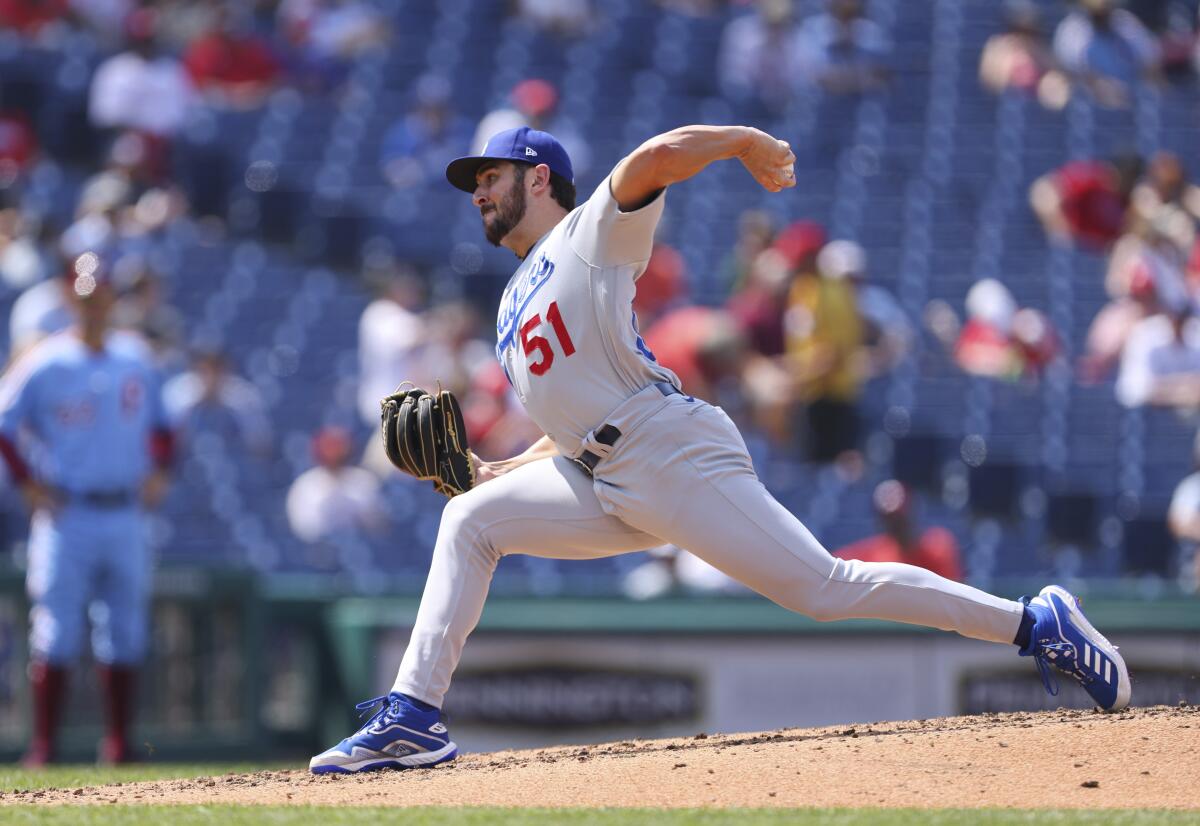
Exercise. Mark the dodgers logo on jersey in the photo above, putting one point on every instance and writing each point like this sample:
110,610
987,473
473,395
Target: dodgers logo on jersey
516,298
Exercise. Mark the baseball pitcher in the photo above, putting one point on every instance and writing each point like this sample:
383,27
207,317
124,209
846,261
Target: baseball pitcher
629,461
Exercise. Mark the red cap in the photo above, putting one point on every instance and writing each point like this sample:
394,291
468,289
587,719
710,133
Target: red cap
331,445
798,241
534,97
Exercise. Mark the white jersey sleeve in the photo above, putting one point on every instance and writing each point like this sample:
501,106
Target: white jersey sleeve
604,236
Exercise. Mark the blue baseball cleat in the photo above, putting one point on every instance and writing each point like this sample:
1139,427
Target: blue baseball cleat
398,736
1063,637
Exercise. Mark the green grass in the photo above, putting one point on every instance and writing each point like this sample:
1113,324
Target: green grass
229,815
281,816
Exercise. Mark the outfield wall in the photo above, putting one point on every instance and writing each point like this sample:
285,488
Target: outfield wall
246,669
538,672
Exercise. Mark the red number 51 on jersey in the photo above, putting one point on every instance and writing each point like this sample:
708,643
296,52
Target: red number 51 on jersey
540,344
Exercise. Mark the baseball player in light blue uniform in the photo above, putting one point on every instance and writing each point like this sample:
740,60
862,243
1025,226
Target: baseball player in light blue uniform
630,461
84,434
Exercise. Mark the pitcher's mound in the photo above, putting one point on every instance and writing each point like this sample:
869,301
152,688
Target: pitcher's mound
1146,757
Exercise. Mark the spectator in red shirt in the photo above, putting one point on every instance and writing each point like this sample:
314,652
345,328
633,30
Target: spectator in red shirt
758,306
18,145
934,549
700,345
231,65
1085,201
985,346
662,285
29,17
1001,341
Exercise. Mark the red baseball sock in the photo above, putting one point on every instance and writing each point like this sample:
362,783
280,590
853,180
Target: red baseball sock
48,684
118,683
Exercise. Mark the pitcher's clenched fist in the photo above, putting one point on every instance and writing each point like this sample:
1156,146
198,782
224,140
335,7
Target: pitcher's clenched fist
770,160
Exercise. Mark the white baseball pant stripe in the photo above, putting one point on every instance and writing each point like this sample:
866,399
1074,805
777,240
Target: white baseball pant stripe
683,477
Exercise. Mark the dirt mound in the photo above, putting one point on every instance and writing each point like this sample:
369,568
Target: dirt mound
1146,757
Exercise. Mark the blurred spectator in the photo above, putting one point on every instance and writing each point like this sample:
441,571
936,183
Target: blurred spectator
671,569
759,60
141,88
456,351
842,50
1001,341
40,311
497,424
44,308
887,333
759,304
414,148
1036,341
105,18
1160,365
705,349
209,398
1107,50
1196,48
1145,275
984,346
130,192
391,333
333,29
1085,201
534,103
142,307
180,22
26,248
824,332
1166,197
661,285
440,347
756,231
1020,58
31,17
325,35
230,64
1183,518
1176,30
334,499
92,228
18,145
693,8
934,549
759,309
566,18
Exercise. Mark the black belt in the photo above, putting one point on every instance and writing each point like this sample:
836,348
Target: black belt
108,499
608,435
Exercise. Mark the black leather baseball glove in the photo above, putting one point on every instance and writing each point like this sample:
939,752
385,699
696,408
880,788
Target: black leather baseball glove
424,436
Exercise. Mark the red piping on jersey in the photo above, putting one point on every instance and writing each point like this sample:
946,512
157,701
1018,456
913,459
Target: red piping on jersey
162,448
17,469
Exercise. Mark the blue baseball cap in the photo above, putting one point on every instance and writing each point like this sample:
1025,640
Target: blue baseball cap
521,145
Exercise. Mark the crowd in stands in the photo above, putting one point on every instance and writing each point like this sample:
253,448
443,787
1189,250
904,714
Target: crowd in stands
803,329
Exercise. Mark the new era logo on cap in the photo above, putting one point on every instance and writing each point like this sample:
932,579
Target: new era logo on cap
522,145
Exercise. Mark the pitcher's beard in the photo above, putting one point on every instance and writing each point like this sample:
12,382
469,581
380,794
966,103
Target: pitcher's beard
507,214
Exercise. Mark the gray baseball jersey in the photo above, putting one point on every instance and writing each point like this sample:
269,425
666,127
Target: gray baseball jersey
566,332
